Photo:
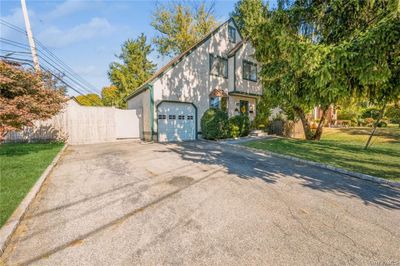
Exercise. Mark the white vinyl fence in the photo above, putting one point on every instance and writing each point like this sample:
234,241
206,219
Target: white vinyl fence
78,124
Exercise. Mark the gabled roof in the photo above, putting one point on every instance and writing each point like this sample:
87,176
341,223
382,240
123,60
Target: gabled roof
179,58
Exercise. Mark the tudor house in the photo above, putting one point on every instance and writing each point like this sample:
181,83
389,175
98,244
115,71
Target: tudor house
219,71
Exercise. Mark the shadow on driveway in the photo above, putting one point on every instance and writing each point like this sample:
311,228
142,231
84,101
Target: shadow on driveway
249,165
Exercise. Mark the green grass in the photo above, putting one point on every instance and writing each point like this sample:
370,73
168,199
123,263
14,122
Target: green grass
20,166
344,148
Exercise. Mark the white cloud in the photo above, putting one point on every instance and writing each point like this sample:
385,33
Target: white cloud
68,7
56,37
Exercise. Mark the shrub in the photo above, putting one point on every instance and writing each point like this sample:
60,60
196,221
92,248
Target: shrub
239,126
381,124
370,112
214,124
393,114
347,115
234,130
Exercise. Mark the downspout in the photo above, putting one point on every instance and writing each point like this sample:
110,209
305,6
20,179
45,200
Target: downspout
234,72
151,111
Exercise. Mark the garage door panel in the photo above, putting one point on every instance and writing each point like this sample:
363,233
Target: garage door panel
176,121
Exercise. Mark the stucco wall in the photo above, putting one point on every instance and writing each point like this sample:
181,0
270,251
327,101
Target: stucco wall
242,85
236,99
142,102
190,79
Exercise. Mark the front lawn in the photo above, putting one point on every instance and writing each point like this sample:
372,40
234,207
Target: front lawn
344,147
20,166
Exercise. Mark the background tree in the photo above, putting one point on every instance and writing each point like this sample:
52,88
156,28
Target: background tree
393,113
309,59
289,58
180,25
90,99
363,42
25,97
248,15
132,69
109,95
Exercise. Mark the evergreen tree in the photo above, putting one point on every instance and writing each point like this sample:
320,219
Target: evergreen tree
132,69
316,53
248,15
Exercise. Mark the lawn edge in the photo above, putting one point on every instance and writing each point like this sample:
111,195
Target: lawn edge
7,230
371,178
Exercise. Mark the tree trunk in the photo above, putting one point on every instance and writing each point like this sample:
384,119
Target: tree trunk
309,134
318,132
381,112
306,126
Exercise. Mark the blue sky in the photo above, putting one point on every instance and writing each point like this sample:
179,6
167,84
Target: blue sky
87,34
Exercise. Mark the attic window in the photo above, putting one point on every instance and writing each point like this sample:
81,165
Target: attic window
232,34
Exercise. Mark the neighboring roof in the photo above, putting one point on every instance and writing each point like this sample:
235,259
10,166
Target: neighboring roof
177,59
235,49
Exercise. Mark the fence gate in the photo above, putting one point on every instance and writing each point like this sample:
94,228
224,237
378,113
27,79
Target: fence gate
126,124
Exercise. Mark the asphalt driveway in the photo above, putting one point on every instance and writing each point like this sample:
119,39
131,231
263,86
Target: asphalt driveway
203,203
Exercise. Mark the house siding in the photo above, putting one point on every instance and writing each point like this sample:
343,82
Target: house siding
242,85
236,99
142,102
190,79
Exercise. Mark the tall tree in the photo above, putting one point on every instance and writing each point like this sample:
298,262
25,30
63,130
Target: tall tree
363,43
90,99
309,59
26,96
248,15
109,95
132,69
180,25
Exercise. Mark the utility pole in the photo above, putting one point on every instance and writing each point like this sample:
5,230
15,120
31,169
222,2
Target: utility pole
30,36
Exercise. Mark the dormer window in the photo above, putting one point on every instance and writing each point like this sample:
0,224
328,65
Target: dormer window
232,34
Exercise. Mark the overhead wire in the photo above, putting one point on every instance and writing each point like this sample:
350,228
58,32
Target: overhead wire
43,51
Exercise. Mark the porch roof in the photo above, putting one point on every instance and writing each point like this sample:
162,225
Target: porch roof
244,94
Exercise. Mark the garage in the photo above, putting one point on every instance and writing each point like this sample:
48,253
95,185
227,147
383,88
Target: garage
176,121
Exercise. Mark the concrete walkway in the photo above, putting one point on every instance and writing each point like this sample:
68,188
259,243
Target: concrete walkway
203,203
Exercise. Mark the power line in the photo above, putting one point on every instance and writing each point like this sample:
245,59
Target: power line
51,65
30,63
12,43
51,56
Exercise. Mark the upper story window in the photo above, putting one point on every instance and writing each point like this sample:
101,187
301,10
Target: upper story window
232,34
249,70
218,66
